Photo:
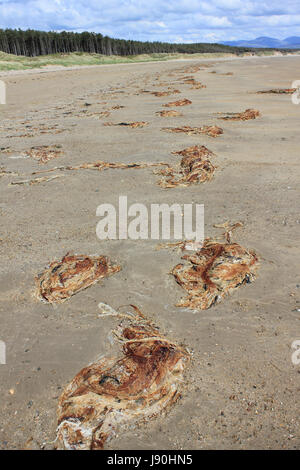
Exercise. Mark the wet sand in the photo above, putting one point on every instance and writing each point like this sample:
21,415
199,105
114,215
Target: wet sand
242,389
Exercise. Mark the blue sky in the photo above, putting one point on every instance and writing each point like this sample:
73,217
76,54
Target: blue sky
162,20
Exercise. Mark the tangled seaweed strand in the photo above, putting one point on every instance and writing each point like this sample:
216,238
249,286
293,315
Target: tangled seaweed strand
169,113
183,102
115,393
279,91
214,272
212,131
195,167
243,116
64,278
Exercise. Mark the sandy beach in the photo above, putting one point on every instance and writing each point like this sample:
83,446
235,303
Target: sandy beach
241,388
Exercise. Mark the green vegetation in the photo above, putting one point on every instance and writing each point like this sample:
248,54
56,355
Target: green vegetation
37,49
13,62
34,43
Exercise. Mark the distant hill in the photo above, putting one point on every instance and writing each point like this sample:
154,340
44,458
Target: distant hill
292,42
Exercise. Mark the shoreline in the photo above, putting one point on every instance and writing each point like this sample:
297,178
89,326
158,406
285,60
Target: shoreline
62,68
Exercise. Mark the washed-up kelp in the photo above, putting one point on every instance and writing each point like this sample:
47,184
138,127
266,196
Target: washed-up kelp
5,150
198,85
279,91
100,166
133,125
212,131
213,272
169,113
164,93
64,278
117,393
44,153
193,68
33,181
195,167
192,81
195,151
4,172
243,116
31,131
183,102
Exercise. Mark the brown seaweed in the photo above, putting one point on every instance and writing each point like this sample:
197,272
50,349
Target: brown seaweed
195,167
214,272
115,393
64,278
212,131
243,116
183,102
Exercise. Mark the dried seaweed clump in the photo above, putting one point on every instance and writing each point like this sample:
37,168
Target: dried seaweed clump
192,81
213,272
195,167
117,393
243,116
183,102
4,172
33,181
64,278
164,93
133,125
169,113
44,153
279,91
193,68
212,131
101,166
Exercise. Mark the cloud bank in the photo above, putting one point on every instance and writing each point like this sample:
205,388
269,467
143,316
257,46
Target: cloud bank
158,20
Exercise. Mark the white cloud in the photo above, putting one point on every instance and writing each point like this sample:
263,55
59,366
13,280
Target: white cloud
164,20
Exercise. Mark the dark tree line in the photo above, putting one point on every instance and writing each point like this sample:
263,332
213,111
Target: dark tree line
33,43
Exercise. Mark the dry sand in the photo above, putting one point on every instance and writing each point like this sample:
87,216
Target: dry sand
242,389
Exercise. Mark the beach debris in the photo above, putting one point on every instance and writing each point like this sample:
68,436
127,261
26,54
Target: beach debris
44,153
117,106
198,85
103,114
229,228
193,68
195,167
5,150
4,172
195,151
100,166
33,181
243,116
169,113
164,93
185,245
214,271
96,115
192,81
212,131
133,125
116,393
183,102
62,279
279,91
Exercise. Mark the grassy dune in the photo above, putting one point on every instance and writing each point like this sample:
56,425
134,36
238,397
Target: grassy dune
13,62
